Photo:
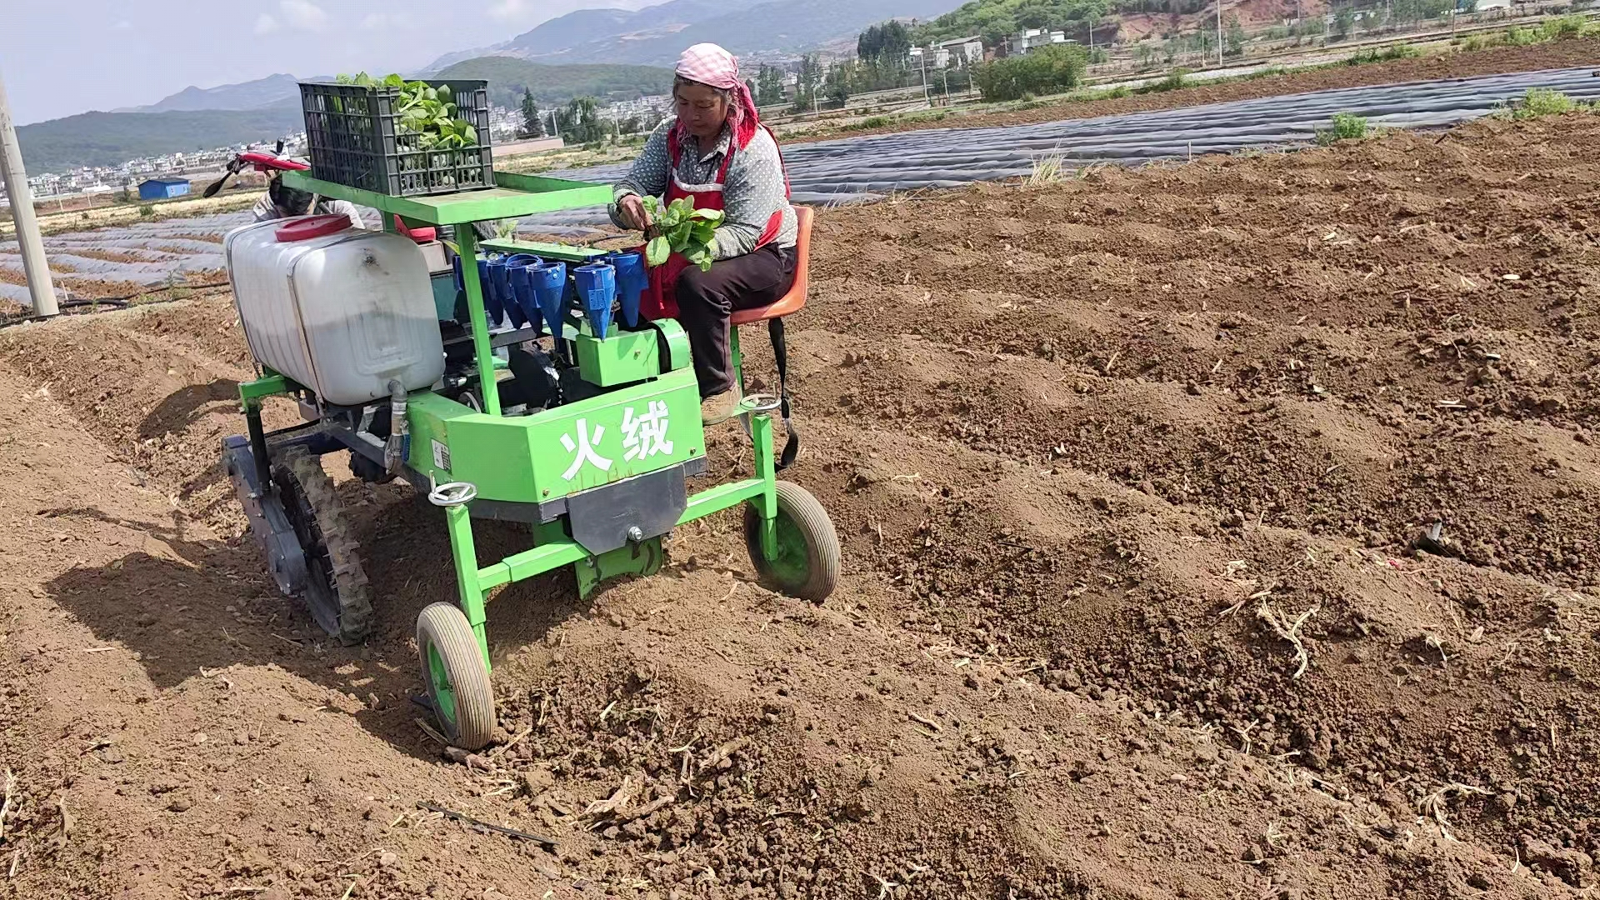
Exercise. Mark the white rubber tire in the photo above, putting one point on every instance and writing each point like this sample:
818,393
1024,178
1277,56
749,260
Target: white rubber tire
464,702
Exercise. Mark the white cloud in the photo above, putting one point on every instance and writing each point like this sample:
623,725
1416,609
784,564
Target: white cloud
385,21
508,10
123,25
302,15
266,24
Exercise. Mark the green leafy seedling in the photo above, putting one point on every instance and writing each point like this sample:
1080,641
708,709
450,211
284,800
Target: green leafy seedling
427,115
679,228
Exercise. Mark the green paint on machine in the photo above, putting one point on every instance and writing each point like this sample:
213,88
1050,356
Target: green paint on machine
534,459
624,358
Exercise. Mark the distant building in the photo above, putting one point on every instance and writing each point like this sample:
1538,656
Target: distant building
163,188
963,49
1034,38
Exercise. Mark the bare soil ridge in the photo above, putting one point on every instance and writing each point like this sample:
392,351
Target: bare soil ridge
1113,460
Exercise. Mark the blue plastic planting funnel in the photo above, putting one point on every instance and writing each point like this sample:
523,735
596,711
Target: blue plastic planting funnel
499,292
549,281
513,309
597,290
521,284
631,282
491,302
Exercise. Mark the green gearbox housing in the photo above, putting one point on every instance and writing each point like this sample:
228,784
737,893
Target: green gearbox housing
649,421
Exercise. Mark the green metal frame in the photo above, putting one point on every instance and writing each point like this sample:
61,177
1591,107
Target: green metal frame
525,459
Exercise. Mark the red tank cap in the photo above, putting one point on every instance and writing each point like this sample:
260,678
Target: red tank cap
312,227
420,235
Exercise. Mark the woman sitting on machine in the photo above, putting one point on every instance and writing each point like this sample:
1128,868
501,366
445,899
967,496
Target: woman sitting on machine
716,151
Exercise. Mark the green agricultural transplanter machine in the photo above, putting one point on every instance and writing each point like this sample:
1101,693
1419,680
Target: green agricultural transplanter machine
596,461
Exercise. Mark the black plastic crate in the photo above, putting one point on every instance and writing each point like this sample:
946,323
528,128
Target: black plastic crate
354,141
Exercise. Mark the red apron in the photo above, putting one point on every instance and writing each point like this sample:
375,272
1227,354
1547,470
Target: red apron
659,300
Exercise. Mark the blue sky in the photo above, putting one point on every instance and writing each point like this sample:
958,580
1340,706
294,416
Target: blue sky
63,57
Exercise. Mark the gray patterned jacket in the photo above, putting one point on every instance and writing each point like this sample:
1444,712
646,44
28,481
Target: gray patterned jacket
752,191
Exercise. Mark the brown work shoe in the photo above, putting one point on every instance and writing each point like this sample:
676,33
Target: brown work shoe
719,408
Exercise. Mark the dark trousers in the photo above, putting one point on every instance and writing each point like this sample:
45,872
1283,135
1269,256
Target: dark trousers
707,299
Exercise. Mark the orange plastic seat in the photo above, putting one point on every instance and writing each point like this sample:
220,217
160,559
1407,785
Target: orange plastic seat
795,299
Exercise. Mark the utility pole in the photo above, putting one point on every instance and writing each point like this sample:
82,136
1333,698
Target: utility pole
16,180
923,57
1219,32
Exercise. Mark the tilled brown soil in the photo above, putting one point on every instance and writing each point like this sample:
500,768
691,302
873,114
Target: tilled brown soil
1130,473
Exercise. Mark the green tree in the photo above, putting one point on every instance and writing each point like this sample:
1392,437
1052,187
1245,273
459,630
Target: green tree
887,43
836,87
1343,21
580,121
1235,36
809,81
955,78
769,86
1089,12
532,123
1050,69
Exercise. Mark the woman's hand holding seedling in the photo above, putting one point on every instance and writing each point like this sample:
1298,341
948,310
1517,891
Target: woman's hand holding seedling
680,228
630,209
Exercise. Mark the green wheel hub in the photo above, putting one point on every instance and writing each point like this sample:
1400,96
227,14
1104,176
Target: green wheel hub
791,565
444,693
805,562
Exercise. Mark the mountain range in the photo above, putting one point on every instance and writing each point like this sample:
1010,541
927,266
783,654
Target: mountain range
272,90
589,52
656,34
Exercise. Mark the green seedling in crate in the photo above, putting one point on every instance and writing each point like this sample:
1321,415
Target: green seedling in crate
426,112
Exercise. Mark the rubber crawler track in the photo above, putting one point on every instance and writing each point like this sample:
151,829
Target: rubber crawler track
354,592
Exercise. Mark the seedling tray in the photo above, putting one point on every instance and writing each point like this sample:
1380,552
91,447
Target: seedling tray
355,140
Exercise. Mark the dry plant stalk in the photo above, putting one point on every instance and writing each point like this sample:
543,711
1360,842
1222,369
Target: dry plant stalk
1289,631
616,801
1434,804
5,809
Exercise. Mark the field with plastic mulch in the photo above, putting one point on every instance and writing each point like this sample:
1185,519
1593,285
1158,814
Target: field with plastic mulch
1212,530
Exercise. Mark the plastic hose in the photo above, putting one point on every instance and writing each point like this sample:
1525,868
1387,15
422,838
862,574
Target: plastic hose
397,449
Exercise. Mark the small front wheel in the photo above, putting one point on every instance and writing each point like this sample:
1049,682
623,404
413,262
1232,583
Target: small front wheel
457,676
806,562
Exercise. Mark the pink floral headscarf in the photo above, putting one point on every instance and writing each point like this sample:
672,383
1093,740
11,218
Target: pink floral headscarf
711,65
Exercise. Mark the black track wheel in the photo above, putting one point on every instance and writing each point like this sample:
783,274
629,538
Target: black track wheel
807,565
456,675
337,591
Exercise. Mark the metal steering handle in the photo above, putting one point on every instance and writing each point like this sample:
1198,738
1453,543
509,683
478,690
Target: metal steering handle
455,493
759,404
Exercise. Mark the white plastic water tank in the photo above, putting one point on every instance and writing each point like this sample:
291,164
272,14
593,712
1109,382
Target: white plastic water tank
337,309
